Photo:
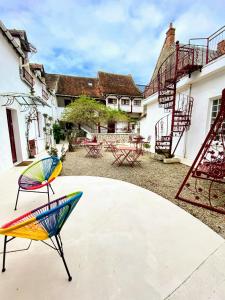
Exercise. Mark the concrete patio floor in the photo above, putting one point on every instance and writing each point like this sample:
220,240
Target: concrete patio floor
121,242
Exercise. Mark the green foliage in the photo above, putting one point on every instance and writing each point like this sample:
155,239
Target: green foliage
86,110
147,146
56,132
114,115
80,133
53,151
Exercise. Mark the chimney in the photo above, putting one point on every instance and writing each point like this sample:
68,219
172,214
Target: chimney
221,47
170,36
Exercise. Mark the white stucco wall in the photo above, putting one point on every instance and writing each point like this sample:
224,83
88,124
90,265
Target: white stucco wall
10,81
203,87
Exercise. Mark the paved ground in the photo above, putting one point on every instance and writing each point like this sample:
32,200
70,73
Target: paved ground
122,242
153,175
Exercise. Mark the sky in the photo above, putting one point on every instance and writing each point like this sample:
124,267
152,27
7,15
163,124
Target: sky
82,37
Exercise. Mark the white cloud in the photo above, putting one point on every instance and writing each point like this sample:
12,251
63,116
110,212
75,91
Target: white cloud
81,37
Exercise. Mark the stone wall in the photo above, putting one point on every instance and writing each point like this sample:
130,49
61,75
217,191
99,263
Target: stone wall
117,137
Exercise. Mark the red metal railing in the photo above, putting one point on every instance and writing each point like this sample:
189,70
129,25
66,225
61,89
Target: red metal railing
179,63
199,51
28,77
152,88
175,123
212,44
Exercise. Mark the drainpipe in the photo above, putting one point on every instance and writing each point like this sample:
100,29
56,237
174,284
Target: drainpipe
185,136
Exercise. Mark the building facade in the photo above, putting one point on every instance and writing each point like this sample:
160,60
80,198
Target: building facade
183,97
22,92
115,91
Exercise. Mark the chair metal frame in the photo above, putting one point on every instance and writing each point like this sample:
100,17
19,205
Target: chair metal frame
39,216
47,182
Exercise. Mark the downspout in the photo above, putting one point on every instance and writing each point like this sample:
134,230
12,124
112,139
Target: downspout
185,136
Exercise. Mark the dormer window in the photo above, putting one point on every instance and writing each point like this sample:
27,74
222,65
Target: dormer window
112,101
137,102
125,102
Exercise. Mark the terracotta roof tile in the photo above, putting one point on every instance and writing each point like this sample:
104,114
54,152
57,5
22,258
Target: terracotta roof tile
76,86
106,83
118,84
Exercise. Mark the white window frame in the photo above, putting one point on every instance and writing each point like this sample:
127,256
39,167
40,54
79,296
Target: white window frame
114,101
135,104
125,100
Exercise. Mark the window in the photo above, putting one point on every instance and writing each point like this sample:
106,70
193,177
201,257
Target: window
137,102
125,102
67,102
112,101
215,109
216,104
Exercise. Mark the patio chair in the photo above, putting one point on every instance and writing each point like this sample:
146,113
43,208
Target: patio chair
118,155
108,144
40,224
39,175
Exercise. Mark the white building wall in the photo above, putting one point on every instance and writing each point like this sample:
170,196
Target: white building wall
10,81
203,93
203,87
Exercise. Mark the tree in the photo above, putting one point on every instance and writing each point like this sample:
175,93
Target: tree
88,111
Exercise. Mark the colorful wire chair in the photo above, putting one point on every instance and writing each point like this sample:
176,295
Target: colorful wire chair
39,175
40,224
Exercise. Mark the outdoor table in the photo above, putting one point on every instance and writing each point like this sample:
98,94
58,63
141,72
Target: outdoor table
93,149
129,155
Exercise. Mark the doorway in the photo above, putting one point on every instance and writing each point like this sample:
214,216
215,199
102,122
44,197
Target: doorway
11,135
111,127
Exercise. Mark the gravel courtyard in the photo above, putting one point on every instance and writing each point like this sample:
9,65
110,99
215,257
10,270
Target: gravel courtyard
163,179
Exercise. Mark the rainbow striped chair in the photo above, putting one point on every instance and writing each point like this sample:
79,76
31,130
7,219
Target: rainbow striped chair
40,224
39,175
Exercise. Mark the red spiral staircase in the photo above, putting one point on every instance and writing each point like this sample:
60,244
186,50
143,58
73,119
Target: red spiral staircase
169,129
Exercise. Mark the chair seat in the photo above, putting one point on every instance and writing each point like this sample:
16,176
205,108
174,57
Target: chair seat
27,183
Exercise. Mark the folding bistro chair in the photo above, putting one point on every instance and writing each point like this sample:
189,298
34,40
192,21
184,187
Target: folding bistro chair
40,224
39,175
108,145
133,158
118,155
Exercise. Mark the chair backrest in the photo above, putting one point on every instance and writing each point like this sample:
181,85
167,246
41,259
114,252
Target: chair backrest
54,218
44,221
44,169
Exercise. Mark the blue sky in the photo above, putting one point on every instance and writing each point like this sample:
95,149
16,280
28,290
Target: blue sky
81,37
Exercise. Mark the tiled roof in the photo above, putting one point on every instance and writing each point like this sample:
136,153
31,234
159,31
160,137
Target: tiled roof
76,86
106,83
51,81
35,66
117,84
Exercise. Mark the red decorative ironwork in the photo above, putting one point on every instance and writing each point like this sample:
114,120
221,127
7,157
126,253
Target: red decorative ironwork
199,51
152,88
204,184
184,60
170,128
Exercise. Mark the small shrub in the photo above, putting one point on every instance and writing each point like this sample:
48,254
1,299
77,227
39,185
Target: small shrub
147,146
53,151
